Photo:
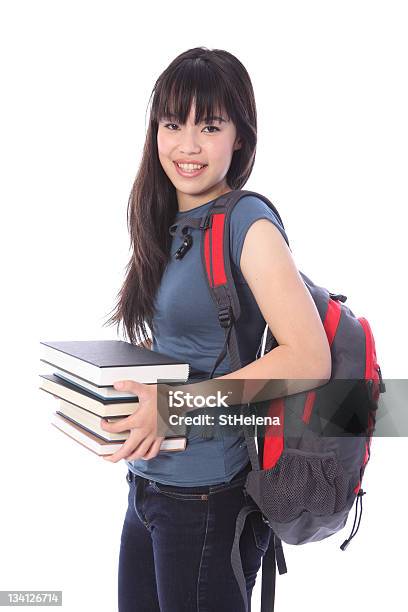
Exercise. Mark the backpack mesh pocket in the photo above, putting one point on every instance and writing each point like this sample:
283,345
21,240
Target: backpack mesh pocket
300,482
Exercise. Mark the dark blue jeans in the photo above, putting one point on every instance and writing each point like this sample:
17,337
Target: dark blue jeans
176,545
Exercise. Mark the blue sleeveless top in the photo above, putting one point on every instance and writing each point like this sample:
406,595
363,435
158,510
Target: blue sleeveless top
187,328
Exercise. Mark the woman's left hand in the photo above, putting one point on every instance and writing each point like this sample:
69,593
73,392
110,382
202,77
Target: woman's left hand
142,442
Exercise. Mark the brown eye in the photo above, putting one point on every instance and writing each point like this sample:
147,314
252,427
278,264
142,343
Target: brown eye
212,127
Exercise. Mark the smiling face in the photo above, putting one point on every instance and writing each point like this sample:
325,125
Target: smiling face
210,144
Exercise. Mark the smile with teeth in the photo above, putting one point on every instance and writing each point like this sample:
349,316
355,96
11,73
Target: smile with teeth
190,167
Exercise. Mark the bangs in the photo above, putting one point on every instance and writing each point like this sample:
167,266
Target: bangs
192,80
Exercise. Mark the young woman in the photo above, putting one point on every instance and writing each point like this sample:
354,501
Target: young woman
182,507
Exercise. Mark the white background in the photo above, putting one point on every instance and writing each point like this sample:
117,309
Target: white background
330,85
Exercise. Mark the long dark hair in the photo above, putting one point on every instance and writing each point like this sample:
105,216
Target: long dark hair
214,79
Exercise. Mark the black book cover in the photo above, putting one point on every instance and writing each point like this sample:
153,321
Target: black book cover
112,353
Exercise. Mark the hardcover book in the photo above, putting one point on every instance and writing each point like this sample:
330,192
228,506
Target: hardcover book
103,362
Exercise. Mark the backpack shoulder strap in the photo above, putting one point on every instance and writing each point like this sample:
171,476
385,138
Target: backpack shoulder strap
215,253
273,557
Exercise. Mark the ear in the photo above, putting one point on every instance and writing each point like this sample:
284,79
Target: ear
237,144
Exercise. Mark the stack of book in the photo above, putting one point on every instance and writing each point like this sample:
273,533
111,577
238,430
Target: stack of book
82,379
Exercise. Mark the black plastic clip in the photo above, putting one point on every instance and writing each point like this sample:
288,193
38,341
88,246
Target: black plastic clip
338,296
182,250
382,384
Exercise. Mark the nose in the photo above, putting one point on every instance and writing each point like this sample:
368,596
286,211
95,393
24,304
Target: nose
189,142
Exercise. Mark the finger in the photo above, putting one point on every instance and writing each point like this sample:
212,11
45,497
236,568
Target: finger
154,449
148,448
141,450
118,426
148,451
131,386
127,447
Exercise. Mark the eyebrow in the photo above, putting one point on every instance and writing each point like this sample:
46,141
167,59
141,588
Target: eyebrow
215,118
205,120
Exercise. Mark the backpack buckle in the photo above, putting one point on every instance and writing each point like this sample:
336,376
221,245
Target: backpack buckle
338,297
382,385
225,316
207,222
265,520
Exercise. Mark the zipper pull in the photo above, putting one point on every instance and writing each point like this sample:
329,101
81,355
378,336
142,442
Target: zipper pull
351,536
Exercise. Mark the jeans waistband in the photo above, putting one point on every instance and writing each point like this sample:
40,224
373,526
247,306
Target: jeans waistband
239,478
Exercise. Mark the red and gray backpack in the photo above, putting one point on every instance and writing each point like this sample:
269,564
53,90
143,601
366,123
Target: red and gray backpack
307,475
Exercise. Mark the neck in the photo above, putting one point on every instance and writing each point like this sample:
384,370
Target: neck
189,202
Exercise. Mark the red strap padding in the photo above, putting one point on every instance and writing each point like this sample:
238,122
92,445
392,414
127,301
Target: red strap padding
215,255
309,402
332,319
273,443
